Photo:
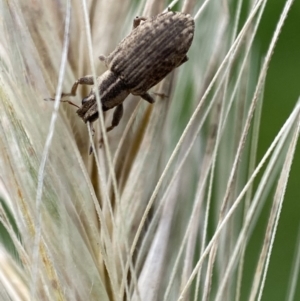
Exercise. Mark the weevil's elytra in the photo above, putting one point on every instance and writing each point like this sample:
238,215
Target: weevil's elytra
152,50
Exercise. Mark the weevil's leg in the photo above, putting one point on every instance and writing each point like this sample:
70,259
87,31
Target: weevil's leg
86,80
93,133
147,97
118,113
103,59
92,128
162,95
137,21
185,59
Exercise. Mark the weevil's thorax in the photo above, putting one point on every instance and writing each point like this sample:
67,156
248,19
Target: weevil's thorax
112,90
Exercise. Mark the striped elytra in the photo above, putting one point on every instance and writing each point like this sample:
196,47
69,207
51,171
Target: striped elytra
152,50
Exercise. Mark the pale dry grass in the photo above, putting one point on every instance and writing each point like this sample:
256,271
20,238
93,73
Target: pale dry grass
165,209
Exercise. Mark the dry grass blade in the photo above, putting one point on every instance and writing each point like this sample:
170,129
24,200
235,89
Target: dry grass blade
295,272
161,202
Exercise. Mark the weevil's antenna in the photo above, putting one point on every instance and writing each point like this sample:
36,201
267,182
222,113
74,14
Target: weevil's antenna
68,101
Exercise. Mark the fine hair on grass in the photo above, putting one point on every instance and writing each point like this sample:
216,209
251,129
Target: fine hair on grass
183,200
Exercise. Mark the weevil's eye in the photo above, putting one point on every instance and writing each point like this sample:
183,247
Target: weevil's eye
84,100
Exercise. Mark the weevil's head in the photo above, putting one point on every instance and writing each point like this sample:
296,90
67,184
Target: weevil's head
112,91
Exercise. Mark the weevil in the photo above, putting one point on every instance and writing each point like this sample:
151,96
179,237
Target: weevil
152,50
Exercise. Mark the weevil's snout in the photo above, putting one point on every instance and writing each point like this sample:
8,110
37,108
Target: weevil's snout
112,89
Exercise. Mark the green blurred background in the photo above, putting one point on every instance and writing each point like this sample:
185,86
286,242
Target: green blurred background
282,91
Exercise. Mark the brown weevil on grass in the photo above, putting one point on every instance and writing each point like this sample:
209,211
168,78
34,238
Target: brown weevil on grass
152,50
